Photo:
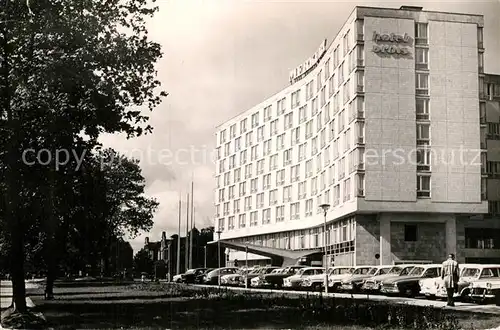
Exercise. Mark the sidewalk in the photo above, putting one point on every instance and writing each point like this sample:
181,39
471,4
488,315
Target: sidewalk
6,293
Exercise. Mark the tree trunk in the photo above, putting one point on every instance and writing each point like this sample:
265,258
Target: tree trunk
51,247
17,268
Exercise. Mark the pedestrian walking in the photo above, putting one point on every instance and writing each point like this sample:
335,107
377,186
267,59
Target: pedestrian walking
449,273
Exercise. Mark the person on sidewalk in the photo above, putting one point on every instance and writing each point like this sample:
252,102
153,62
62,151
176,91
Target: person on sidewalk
449,273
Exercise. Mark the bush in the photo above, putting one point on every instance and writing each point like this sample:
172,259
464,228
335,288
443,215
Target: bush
314,309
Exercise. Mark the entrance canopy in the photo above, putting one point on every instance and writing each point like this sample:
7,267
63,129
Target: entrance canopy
279,257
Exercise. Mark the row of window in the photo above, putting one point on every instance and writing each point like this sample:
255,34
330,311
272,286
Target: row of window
335,72
336,124
422,115
342,144
340,193
339,232
354,161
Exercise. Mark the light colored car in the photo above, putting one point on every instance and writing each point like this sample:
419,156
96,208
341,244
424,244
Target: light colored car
232,279
356,280
430,287
487,289
338,275
317,282
295,281
468,274
177,278
373,284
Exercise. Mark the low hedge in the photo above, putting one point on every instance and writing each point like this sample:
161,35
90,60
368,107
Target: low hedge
315,309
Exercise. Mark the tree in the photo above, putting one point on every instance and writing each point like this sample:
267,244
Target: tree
66,68
142,262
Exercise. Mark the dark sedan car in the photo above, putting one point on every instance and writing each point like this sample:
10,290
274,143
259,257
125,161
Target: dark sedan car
276,280
190,276
200,277
409,285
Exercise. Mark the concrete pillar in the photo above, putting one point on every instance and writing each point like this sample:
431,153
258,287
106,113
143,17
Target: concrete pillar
385,240
451,236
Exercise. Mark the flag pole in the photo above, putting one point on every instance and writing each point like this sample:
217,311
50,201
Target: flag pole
178,266
186,259
191,232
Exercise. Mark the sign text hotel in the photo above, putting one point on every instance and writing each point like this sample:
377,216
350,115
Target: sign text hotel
307,66
392,44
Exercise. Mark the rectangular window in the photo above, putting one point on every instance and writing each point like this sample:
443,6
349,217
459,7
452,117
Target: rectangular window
243,126
309,90
421,33
255,120
423,159
242,220
295,100
347,45
480,37
221,224
481,62
327,69
411,233
422,107
422,83
360,49
421,58
319,81
361,185
423,134
423,186
309,207
360,81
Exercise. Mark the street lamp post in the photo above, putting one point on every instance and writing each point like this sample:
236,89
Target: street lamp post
246,266
325,208
205,248
218,253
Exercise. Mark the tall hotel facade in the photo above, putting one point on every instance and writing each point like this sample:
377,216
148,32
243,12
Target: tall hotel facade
384,124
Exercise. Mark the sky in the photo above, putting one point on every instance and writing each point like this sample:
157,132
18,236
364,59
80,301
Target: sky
220,59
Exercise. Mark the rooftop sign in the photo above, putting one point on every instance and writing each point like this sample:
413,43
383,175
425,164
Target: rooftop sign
303,69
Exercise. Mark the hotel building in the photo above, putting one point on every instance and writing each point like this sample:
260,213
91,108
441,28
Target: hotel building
383,124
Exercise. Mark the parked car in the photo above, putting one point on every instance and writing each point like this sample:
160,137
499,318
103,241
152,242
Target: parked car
295,281
486,290
338,274
317,282
260,281
259,271
355,282
468,274
199,278
358,271
373,284
177,278
234,279
213,276
190,275
409,285
276,280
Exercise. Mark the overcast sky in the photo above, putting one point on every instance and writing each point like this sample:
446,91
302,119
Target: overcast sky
223,57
